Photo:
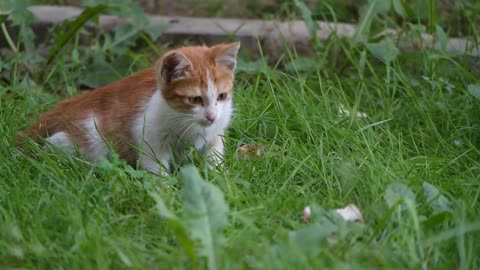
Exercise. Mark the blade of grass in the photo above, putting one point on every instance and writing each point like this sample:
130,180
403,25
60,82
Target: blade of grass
73,27
3,18
365,22
373,124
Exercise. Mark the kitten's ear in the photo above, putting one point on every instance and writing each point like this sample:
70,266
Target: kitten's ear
226,55
172,67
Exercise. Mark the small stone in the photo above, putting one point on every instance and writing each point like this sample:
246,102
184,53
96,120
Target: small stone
307,212
350,213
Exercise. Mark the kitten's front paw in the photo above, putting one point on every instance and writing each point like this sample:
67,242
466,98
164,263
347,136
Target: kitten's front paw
164,173
154,167
160,171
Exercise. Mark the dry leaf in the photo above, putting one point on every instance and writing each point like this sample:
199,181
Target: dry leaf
361,115
344,112
349,213
251,151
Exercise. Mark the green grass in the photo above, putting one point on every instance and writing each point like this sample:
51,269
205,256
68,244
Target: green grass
412,167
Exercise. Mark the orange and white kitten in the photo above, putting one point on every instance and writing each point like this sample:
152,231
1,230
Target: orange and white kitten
186,99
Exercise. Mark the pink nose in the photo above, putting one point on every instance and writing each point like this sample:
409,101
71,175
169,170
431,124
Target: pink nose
211,117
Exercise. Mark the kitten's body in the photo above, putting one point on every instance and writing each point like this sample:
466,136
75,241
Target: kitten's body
185,100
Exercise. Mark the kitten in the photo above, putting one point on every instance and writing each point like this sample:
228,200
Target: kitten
186,99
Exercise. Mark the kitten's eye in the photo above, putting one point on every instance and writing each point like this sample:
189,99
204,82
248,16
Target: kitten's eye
195,100
222,96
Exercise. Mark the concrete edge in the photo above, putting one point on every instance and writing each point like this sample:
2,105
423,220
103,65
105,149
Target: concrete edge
272,35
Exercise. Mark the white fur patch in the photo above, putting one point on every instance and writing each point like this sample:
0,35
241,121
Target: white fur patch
147,130
62,141
95,146
160,130
211,90
211,106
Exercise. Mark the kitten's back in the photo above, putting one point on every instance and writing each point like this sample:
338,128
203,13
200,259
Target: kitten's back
115,105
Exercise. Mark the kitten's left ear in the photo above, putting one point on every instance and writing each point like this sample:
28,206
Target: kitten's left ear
226,55
174,66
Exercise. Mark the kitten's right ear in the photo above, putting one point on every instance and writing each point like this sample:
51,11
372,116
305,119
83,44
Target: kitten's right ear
172,67
226,55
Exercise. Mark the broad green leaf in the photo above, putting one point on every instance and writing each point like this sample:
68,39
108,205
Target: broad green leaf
367,13
255,67
398,7
205,214
406,8
442,38
99,73
420,8
403,8
474,90
397,191
136,174
435,199
162,208
122,8
381,6
73,27
154,31
75,56
385,51
303,64
436,219
124,34
310,239
20,14
175,224
22,17
415,31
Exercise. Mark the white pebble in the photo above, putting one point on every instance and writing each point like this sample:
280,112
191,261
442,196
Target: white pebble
307,212
350,213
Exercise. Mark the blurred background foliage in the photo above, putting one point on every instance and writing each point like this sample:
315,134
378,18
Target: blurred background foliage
461,13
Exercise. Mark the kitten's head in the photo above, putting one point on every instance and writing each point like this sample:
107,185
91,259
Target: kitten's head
198,80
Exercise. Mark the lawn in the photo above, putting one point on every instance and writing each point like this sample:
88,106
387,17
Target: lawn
394,132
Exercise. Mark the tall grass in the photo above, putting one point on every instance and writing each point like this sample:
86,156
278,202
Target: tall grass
394,133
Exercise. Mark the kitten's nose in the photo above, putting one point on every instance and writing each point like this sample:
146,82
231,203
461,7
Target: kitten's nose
211,117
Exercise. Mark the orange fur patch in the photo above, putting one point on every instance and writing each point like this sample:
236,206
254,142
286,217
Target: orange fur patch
118,104
202,60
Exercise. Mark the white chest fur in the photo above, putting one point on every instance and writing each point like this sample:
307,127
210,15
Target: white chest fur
160,131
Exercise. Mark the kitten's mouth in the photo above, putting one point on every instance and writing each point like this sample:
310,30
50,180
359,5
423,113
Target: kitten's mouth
205,123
